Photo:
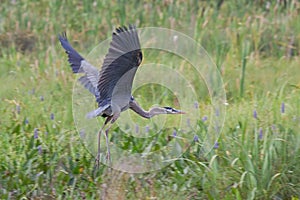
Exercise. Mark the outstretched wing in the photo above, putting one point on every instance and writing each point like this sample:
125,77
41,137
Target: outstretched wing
80,65
124,55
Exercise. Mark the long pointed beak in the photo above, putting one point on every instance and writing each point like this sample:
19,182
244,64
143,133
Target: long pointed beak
180,112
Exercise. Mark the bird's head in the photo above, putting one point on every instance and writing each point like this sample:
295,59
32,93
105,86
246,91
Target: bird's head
164,110
170,110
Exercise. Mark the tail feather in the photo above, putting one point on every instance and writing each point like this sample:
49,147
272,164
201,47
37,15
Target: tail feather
74,57
99,111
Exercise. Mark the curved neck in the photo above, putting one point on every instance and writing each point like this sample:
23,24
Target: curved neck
133,105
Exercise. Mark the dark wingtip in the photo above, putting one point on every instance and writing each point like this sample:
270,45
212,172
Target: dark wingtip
74,57
132,26
124,29
62,37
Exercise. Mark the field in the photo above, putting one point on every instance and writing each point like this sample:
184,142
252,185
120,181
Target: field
254,45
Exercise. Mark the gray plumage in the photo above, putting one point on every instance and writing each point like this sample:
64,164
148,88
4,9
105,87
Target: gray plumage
112,85
118,70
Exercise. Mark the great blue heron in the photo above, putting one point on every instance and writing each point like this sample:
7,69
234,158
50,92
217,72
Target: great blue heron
113,83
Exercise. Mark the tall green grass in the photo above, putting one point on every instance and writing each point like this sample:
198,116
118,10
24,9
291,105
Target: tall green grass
255,46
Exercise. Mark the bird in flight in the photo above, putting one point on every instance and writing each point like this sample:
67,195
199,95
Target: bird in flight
112,85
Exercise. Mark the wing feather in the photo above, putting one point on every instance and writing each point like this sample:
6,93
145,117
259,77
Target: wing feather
123,55
80,65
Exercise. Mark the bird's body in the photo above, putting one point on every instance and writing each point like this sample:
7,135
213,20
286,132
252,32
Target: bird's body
112,85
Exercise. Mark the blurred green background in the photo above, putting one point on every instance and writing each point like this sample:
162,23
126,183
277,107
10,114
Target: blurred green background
255,45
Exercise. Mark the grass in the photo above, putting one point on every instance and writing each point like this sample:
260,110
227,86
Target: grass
255,46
